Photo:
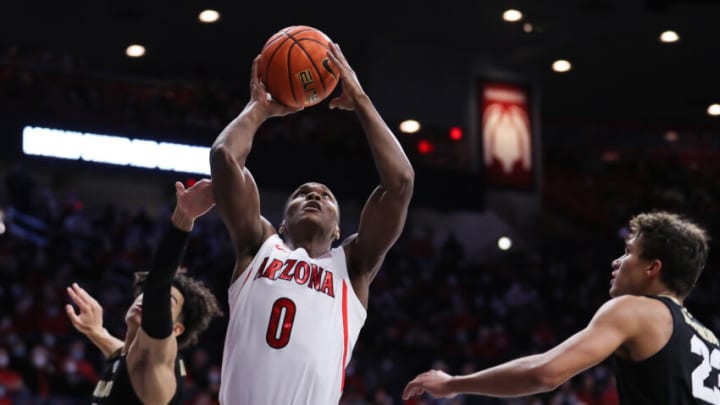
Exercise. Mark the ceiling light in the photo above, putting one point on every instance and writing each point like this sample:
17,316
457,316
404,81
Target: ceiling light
527,27
409,126
135,51
512,15
669,37
208,16
504,243
561,66
714,110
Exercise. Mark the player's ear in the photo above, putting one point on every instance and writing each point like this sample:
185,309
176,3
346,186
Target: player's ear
178,329
336,234
281,229
654,267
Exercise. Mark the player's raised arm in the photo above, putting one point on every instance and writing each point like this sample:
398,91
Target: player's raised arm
151,355
614,324
383,216
235,190
89,320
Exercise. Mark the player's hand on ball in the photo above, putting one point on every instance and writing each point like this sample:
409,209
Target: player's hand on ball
263,99
434,382
351,89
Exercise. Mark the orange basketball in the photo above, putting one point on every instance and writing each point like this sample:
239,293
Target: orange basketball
295,68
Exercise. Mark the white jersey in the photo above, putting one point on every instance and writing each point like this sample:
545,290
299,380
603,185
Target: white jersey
294,321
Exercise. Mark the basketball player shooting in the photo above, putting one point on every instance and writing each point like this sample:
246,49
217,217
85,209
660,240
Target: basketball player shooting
296,303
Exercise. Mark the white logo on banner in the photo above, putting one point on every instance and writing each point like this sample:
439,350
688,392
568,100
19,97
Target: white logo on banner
506,136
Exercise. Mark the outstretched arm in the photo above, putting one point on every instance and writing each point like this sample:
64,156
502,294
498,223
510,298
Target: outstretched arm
614,324
235,190
151,356
89,321
383,216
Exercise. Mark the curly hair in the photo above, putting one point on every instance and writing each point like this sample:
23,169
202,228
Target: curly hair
681,246
199,308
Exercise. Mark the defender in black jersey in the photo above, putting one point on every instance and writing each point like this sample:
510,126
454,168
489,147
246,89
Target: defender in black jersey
169,312
663,355
115,386
677,373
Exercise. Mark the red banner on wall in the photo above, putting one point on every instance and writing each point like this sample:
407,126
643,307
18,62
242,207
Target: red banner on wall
507,135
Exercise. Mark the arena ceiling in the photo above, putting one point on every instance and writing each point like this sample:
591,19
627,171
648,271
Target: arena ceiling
621,72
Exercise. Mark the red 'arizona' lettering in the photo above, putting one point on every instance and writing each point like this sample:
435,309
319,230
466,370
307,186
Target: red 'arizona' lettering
300,272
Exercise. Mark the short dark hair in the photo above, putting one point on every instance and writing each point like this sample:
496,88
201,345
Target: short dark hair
199,308
680,244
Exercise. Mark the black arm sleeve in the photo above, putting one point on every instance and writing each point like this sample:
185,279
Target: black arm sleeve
157,315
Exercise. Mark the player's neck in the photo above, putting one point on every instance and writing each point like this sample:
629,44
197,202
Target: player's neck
314,246
662,291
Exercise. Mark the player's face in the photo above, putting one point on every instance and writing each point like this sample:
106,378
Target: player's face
312,202
628,270
134,314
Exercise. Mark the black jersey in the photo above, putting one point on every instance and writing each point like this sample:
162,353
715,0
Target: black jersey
684,372
114,386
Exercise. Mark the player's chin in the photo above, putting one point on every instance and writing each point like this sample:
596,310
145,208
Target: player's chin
313,217
311,211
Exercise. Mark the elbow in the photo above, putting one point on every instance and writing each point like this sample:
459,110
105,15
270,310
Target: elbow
405,183
218,152
220,156
545,377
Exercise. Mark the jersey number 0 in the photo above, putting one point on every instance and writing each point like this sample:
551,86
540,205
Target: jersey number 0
281,321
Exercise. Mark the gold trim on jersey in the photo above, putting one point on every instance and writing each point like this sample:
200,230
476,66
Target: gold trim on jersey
701,330
103,389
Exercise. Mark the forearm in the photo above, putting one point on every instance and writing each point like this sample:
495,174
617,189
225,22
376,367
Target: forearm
157,315
237,137
520,377
103,340
396,173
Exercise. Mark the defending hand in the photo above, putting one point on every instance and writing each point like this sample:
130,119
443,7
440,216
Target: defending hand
434,382
192,203
90,319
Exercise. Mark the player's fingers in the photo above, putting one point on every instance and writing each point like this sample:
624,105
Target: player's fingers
92,302
75,296
335,59
413,389
338,52
255,68
87,299
406,393
205,184
71,314
85,302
